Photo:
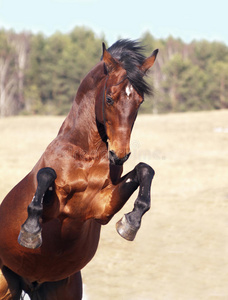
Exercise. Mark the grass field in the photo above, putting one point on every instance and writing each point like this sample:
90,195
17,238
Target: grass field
181,250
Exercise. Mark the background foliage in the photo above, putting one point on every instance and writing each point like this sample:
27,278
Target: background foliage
40,75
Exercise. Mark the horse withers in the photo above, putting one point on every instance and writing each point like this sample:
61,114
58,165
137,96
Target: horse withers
50,221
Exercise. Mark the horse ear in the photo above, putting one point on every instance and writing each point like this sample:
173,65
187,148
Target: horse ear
109,61
149,61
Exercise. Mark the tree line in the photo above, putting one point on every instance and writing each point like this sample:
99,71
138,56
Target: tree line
40,75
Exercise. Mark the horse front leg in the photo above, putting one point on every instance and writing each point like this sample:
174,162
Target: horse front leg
30,234
115,197
141,177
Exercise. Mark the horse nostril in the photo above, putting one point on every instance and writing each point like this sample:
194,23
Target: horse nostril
114,159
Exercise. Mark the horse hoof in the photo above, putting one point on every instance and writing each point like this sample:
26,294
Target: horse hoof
30,240
126,230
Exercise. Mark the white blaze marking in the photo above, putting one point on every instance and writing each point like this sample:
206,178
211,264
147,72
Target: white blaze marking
128,90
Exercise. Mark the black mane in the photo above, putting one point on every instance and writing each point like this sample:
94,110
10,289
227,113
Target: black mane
130,54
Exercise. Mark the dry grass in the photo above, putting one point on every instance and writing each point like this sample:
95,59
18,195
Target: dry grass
181,251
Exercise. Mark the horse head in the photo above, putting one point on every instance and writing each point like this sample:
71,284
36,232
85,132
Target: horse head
123,93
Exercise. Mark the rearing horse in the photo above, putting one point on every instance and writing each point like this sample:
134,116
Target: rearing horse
50,221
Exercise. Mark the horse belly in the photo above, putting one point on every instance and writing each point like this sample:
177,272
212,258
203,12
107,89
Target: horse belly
63,257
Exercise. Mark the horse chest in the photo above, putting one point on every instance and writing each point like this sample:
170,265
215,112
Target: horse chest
77,191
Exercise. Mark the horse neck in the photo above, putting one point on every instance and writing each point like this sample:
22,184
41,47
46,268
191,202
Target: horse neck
80,126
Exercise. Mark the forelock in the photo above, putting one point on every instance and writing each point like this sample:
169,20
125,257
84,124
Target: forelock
130,54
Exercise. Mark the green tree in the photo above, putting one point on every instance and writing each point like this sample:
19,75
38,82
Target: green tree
217,91
40,75
184,85
57,66
35,92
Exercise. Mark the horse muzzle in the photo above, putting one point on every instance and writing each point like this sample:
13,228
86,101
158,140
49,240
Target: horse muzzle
115,160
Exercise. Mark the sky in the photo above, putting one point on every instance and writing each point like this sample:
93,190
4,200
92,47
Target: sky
188,20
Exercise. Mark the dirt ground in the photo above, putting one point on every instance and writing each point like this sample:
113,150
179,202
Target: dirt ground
181,250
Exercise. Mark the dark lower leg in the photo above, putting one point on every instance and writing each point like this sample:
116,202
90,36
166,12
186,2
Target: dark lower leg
30,234
128,226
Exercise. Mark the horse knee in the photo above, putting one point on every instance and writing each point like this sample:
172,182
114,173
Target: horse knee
144,170
45,177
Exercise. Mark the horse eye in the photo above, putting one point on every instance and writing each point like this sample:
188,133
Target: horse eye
109,100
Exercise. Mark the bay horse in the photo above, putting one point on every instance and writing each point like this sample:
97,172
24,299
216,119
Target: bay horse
50,221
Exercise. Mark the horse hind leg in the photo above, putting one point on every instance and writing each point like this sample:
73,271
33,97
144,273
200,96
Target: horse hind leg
30,234
10,287
66,289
